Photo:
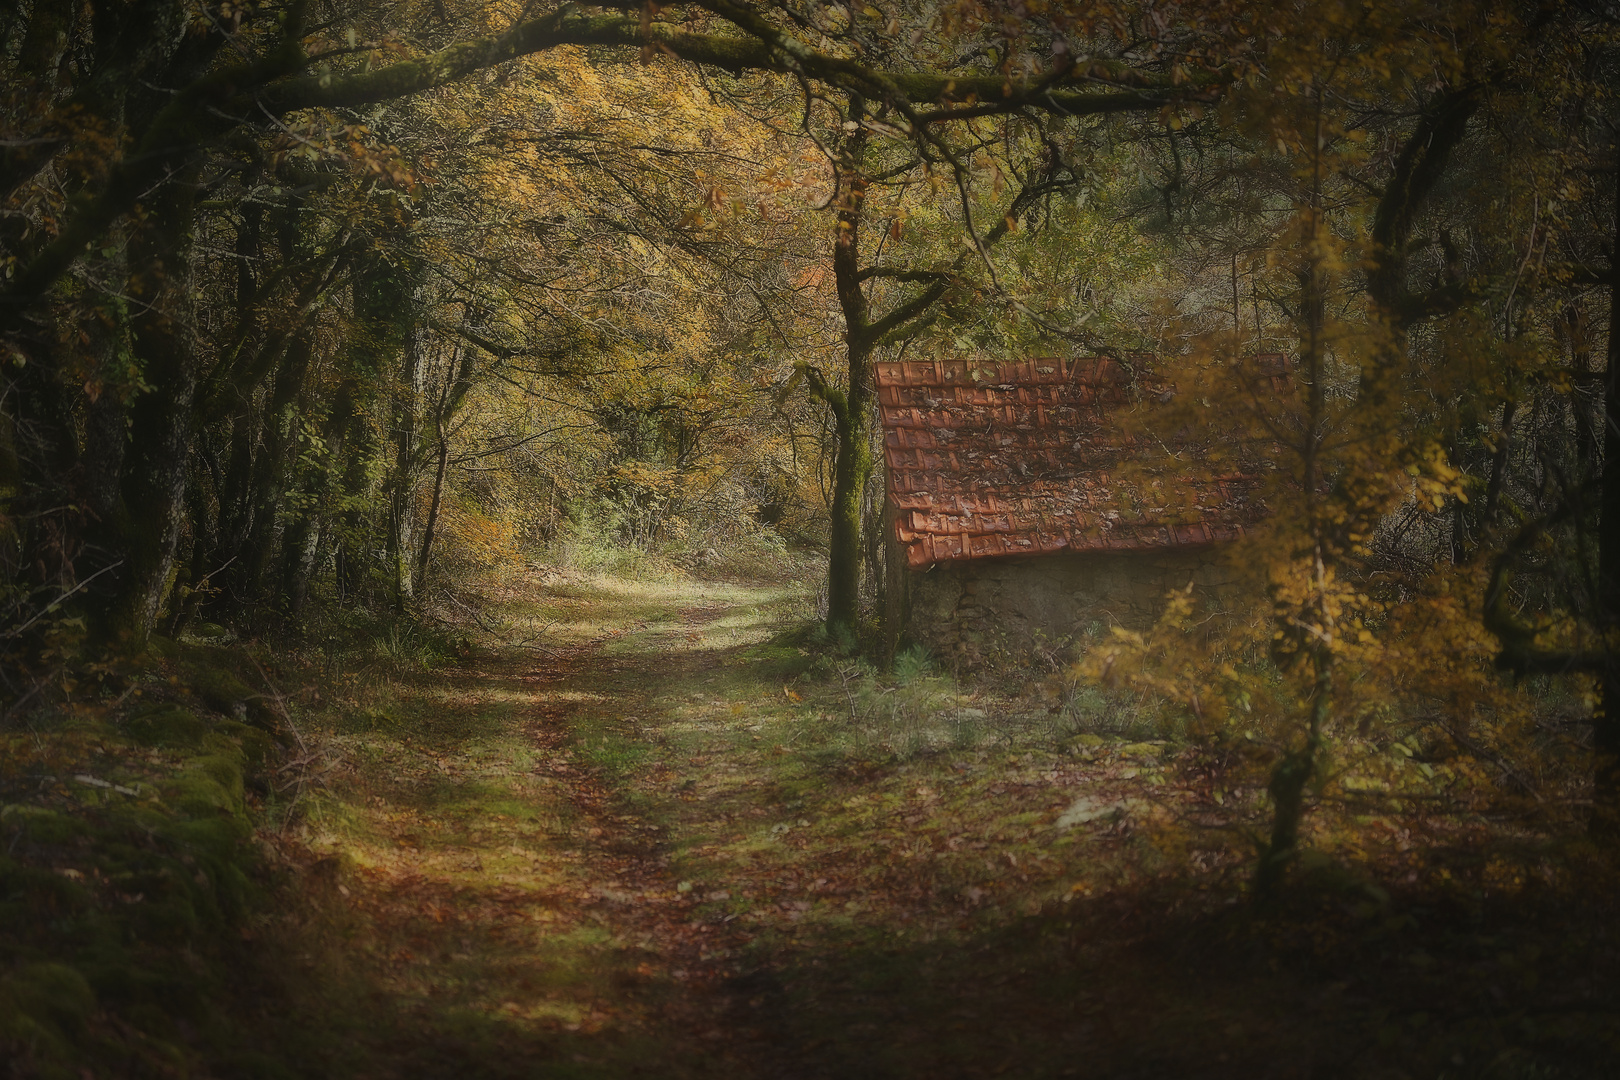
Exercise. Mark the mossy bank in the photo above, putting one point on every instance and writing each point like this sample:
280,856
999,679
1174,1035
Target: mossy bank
130,872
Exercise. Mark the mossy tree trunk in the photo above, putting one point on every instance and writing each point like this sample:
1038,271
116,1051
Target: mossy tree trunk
403,476
381,335
247,420
272,469
852,469
851,405
161,420
452,396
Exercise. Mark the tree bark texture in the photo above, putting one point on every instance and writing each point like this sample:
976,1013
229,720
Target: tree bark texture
382,336
1605,818
154,486
852,466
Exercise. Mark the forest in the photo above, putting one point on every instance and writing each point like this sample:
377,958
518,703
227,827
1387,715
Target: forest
455,618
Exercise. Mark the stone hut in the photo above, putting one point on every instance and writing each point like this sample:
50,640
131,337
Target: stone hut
1034,504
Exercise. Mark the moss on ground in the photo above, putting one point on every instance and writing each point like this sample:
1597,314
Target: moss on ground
128,875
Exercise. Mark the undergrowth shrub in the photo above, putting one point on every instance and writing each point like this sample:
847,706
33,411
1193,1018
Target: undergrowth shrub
913,662
411,647
591,541
912,710
1092,710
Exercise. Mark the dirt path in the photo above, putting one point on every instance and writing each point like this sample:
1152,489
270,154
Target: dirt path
678,842
495,902
674,844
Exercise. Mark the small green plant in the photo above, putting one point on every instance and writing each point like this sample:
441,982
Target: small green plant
1092,710
912,663
405,647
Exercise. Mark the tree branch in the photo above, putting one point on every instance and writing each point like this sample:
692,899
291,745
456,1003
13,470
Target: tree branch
1418,168
902,274
1518,652
821,389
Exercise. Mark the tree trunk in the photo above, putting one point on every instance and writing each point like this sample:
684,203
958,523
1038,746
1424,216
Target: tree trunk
236,504
1312,621
433,507
47,458
314,485
154,485
852,465
1289,779
852,468
98,472
384,294
271,469
853,407
402,481
1605,819
458,383
298,549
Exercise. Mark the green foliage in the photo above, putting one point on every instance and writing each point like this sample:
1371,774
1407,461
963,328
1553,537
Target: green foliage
407,648
912,663
168,725
1090,711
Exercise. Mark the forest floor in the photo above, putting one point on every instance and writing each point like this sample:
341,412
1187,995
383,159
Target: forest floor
667,836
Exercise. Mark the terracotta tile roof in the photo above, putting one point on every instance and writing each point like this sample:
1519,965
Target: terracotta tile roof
990,460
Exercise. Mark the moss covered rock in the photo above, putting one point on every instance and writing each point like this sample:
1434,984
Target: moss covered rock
209,786
222,690
125,875
167,725
255,746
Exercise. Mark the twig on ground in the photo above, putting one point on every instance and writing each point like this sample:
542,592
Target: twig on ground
845,674
280,701
469,609
302,776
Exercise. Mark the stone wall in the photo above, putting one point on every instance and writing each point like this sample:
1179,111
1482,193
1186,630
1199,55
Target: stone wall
1039,611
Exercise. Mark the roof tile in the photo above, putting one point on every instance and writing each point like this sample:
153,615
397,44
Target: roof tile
991,460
